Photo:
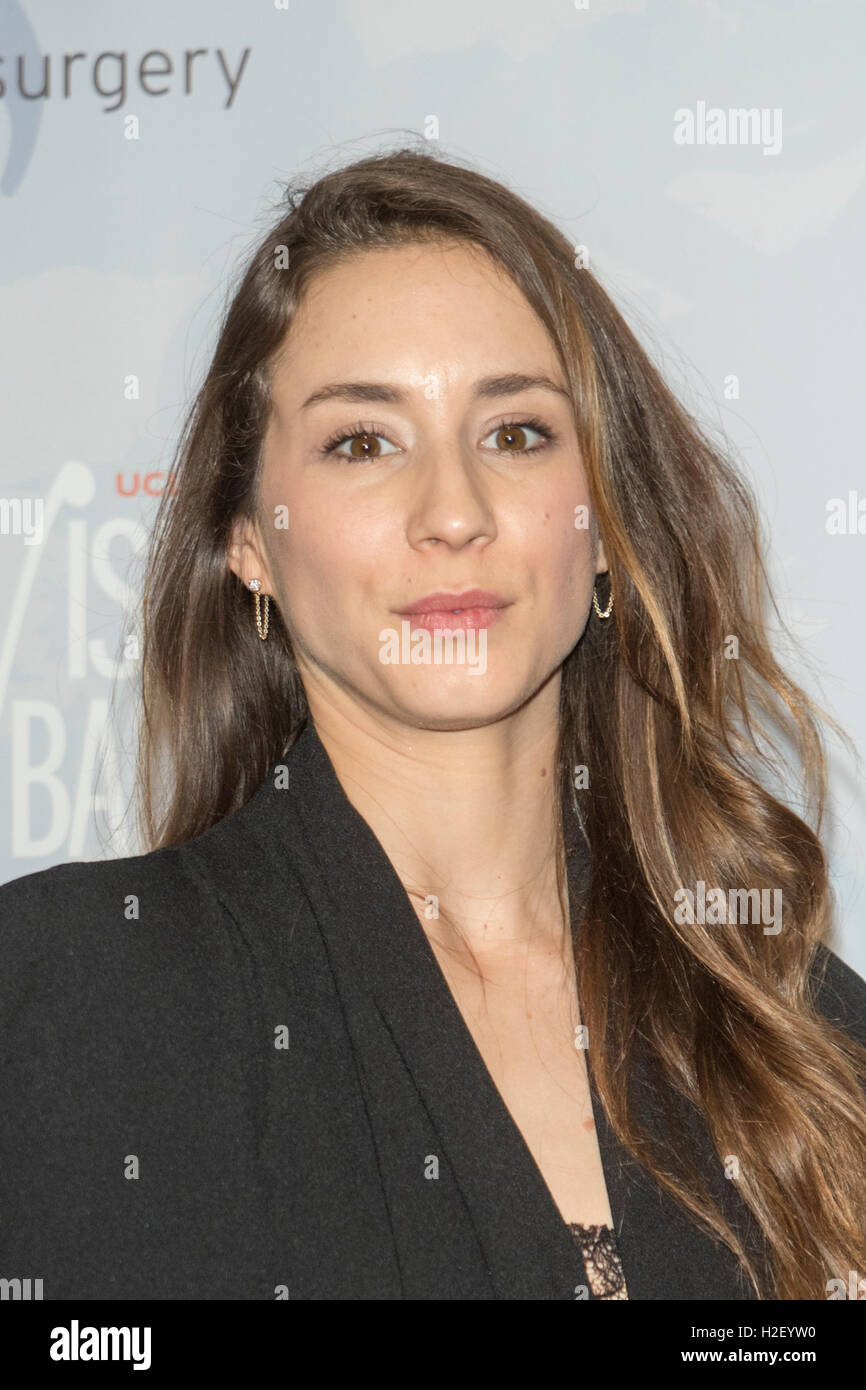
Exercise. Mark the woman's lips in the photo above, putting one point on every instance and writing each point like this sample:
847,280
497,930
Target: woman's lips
465,618
468,608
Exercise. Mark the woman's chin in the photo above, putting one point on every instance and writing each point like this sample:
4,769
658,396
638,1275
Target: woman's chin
457,704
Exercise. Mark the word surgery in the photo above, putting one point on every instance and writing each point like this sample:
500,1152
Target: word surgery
111,74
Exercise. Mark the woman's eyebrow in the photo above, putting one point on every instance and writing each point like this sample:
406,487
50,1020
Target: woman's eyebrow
486,388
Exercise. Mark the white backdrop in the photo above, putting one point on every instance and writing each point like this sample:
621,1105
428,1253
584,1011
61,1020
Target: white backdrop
733,246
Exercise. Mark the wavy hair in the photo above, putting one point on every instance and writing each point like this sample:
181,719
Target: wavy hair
677,737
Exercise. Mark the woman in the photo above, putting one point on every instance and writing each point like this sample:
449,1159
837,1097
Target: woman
470,956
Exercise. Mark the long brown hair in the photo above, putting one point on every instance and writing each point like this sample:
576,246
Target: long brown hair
673,724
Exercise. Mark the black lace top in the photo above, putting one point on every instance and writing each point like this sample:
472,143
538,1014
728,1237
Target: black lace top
600,1254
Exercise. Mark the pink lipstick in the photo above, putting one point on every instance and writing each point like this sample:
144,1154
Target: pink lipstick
474,608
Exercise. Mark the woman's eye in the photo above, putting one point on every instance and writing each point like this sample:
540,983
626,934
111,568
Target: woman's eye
363,445
514,439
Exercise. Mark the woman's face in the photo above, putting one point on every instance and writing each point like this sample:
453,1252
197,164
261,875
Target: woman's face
401,462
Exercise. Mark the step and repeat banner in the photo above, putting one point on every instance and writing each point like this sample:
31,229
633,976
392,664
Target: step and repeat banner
709,159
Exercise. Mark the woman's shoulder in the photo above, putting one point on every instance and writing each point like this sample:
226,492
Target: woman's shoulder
172,884
90,934
173,914
92,880
141,966
198,917
90,897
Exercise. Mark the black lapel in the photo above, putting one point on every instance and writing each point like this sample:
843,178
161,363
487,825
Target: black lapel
380,953
376,940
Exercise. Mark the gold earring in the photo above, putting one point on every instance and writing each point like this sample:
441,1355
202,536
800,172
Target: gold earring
607,612
255,585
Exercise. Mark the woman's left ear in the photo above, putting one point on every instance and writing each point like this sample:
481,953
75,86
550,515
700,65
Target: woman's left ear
601,565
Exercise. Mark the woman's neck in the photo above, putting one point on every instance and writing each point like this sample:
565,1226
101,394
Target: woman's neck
466,817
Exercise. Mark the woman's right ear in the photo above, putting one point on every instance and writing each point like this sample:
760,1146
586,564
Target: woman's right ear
244,556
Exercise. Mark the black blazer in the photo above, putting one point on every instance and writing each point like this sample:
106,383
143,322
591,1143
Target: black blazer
160,1141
